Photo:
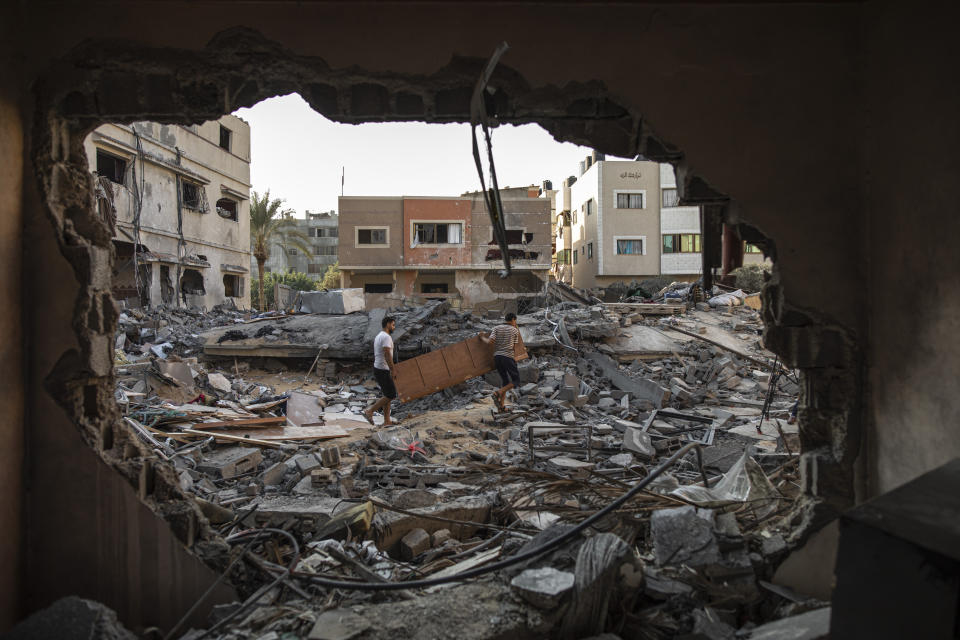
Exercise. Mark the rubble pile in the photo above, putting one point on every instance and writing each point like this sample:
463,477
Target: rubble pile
635,484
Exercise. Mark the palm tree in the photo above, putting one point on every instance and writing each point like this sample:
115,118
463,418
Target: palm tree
271,227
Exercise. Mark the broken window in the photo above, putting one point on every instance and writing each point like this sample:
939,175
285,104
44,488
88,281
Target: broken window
378,287
514,236
227,208
434,287
681,243
670,198
437,233
630,246
225,137
111,167
372,236
192,283
629,201
232,285
194,196
751,248
563,256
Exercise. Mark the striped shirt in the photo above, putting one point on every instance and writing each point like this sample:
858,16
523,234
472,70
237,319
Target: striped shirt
505,336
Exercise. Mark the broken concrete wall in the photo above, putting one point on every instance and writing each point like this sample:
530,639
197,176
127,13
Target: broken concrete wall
780,60
914,357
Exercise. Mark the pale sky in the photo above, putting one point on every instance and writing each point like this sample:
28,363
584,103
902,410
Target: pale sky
298,154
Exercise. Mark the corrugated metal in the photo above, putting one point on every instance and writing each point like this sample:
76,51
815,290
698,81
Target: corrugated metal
446,367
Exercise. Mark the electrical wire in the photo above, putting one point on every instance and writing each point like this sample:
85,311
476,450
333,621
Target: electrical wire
528,555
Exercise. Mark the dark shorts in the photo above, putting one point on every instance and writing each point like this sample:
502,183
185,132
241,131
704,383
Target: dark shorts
507,368
385,381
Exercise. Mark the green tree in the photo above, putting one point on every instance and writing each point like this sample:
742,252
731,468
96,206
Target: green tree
294,279
271,227
331,278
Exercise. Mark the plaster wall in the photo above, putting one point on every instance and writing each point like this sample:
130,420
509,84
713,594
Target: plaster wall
584,230
628,177
531,215
436,255
911,186
370,212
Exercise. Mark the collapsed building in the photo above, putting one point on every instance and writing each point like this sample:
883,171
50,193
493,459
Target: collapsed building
744,100
176,198
408,249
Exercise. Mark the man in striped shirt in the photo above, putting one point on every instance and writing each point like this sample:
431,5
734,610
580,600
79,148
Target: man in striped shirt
504,339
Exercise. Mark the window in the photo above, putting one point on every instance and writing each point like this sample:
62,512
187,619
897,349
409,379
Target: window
437,232
292,251
573,214
324,232
670,198
111,167
225,136
232,286
378,287
629,201
563,256
751,248
227,208
313,267
191,282
194,196
590,206
325,251
575,254
630,246
372,236
434,287
681,243
590,251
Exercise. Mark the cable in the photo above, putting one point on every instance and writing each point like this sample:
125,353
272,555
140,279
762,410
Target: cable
267,587
523,557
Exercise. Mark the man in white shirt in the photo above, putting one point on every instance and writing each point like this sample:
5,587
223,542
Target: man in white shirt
383,371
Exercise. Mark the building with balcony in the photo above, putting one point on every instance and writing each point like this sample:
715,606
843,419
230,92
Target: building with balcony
176,199
408,248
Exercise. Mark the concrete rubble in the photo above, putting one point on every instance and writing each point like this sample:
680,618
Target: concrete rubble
274,441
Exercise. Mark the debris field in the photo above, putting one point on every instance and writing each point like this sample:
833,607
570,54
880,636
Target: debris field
640,483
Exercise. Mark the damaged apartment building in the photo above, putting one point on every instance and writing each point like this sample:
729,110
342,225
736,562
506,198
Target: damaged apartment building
178,200
322,230
622,220
408,248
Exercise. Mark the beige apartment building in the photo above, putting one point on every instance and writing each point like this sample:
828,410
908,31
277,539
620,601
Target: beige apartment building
176,199
407,249
622,220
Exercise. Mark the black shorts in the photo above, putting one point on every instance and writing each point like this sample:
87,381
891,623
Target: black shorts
385,380
507,368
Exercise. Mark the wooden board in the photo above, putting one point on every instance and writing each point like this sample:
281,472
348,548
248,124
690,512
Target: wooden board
453,364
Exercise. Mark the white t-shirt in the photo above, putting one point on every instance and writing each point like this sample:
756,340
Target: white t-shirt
381,342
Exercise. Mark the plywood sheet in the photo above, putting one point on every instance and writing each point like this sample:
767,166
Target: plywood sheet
446,367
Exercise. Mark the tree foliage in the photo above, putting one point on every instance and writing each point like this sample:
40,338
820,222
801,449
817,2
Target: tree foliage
331,279
294,279
270,227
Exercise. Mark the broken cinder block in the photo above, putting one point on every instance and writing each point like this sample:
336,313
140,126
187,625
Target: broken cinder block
414,543
231,462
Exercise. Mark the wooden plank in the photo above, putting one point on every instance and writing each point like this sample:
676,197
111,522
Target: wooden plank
227,437
244,423
453,364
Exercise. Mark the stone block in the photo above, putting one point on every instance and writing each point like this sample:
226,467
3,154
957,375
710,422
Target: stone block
543,588
684,535
413,544
439,537
274,475
306,462
231,462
